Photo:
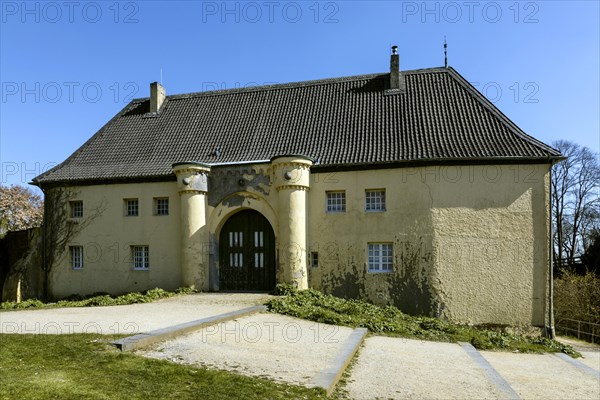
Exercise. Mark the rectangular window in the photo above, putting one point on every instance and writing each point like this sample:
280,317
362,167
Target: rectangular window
314,259
131,207
381,257
336,201
259,260
76,255
236,260
258,239
259,244
236,241
161,206
76,209
141,257
375,200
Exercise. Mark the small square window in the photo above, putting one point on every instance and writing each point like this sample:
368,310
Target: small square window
76,256
375,200
76,208
131,207
140,256
381,257
336,201
161,206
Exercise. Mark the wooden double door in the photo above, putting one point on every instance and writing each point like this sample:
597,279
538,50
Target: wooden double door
247,253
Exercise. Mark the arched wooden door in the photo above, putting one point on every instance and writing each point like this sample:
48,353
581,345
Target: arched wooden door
247,253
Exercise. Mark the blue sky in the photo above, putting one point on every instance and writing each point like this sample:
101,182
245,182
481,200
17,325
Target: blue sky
66,68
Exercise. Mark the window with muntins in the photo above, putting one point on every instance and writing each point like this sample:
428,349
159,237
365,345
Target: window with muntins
141,257
259,255
381,257
375,200
132,208
236,242
76,256
161,206
314,259
76,209
336,201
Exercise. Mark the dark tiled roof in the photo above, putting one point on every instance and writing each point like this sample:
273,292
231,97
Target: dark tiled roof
338,122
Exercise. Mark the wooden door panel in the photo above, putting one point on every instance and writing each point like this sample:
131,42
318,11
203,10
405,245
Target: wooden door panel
247,253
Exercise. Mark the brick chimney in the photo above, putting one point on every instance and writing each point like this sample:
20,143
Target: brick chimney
397,83
157,96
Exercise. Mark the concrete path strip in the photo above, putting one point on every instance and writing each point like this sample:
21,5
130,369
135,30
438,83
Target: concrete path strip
400,368
330,376
579,364
543,376
266,345
146,339
590,352
591,359
490,372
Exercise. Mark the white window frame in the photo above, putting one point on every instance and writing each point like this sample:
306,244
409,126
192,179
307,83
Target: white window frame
140,255
76,257
377,262
375,200
130,205
335,201
76,209
161,206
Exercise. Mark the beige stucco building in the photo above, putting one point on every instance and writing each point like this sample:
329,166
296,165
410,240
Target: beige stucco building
405,188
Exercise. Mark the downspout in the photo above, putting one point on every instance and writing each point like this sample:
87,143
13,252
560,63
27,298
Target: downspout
44,245
550,329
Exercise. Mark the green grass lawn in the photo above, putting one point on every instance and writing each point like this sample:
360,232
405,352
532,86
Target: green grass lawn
86,367
315,306
97,300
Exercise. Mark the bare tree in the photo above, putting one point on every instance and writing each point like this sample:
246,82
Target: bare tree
575,201
591,257
20,208
60,229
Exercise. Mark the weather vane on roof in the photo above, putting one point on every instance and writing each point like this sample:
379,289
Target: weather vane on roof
445,53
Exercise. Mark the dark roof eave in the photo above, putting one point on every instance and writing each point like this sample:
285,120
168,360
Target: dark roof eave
437,161
103,181
317,168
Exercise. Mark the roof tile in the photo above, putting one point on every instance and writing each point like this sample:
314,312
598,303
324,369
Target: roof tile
335,121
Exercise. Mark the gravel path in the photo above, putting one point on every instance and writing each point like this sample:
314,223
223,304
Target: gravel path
589,351
268,345
591,359
413,369
543,376
129,319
